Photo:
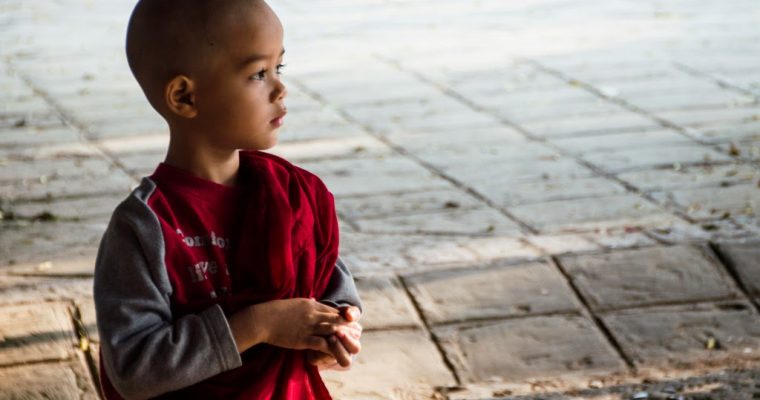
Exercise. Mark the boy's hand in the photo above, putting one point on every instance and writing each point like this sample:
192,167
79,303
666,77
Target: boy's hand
343,344
296,323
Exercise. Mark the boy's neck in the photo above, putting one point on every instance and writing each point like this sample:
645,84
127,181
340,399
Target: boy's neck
220,166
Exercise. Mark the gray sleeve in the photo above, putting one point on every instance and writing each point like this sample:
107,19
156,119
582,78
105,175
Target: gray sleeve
341,291
146,351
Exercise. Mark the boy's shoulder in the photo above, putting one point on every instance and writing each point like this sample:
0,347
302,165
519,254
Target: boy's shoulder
284,166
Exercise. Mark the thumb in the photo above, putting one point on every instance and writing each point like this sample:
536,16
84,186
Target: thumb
351,313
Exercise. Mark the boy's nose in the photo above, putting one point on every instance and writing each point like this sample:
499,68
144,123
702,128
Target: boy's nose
279,92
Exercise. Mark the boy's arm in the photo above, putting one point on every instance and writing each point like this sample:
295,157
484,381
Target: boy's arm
341,291
147,351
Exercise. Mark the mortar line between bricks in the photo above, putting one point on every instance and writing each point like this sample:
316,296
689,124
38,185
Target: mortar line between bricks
402,152
438,346
531,137
595,318
731,270
82,129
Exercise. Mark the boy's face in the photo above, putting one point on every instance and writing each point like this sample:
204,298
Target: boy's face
240,99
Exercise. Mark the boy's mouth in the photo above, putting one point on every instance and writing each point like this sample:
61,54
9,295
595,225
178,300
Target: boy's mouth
279,120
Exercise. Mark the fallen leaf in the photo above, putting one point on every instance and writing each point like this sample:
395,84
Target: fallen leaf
451,204
733,150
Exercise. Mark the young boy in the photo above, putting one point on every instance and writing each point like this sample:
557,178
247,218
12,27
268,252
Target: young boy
206,278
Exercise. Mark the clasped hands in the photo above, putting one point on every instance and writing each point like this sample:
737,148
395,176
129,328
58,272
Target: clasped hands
329,335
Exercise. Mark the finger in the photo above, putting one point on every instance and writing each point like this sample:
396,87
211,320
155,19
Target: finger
317,343
350,313
339,352
355,326
321,307
353,329
317,357
324,329
350,343
332,318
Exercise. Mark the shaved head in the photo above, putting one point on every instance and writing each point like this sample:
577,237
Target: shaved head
167,38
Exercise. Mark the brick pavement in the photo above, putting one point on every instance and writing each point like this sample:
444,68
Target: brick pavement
540,199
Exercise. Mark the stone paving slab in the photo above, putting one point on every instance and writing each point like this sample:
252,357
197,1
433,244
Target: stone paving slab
648,276
547,190
508,172
34,136
494,292
73,149
366,252
50,248
41,119
139,127
150,143
401,364
331,148
404,203
620,238
386,304
38,332
79,209
704,204
565,243
744,259
730,383
109,182
684,176
82,168
625,159
53,381
680,336
706,97
589,214
727,131
527,112
529,349
591,125
465,222
701,118
621,141
451,153
141,164
346,177
25,289
489,249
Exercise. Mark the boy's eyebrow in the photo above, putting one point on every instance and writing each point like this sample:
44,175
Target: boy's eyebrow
256,57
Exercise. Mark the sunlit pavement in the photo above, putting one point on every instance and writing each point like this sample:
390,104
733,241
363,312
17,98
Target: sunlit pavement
539,198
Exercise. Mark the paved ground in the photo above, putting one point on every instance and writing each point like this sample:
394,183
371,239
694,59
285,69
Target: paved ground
540,198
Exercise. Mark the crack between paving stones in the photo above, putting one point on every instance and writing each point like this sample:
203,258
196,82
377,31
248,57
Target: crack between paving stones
528,135
595,318
83,342
402,152
432,337
82,130
731,270
476,322
717,80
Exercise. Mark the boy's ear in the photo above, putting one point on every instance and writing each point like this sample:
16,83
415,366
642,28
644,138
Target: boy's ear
179,95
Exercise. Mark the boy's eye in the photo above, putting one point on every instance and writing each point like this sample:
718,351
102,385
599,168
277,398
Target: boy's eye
259,76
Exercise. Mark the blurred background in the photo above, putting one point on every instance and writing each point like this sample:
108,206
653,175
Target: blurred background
539,198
